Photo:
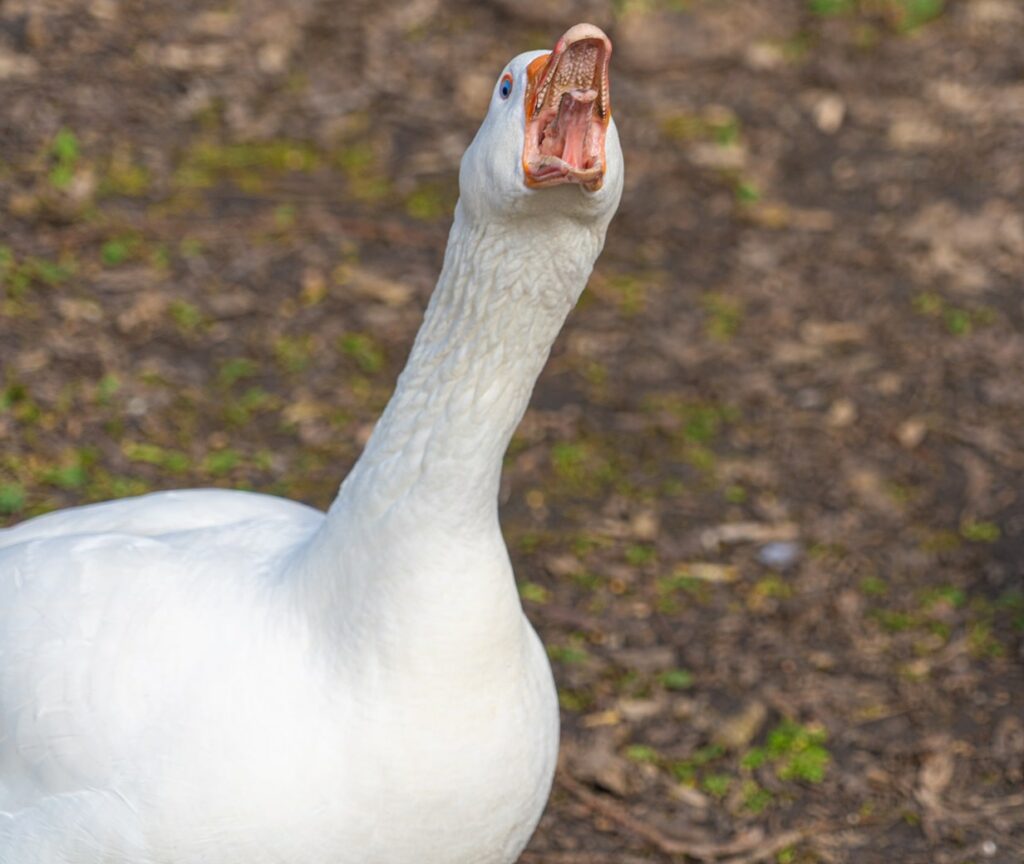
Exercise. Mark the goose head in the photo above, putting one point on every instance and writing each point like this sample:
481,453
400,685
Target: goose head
548,143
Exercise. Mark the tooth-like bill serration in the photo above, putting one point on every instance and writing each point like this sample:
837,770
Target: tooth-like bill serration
575,69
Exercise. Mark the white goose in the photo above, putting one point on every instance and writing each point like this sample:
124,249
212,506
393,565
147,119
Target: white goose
216,677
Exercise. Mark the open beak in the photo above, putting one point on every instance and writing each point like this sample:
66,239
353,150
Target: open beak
568,107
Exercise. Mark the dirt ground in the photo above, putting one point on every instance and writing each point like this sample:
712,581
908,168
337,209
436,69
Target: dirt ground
765,507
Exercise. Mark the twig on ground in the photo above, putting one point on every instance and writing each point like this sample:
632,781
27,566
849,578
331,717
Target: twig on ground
747,848
618,814
768,848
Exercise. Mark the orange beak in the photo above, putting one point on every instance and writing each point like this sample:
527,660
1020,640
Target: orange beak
568,106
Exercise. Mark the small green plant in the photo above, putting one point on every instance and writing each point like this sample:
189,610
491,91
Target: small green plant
735,494
958,321
107,388
948,595
119,249
12,499
186,316
236,369
808,765
427,202
911,14
725,130
676,679
796,752
294,354
747,192
799,751
981,640
717,785
530,542
830,8
284,217
643,754
569,461
18,277
239,411
221,462
708,753
873,586
568,654
534,593
668,588
360,164
586,579
686,771
755,798
638,554
50,273
701,423
160,258
929,303
893,620
173,461
364,350
574,700
191,247
630,293
723,316
64,153
124,177
979,532
13,394
774,587
72,476
1011,602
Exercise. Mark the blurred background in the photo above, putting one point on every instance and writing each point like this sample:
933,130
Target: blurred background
765,507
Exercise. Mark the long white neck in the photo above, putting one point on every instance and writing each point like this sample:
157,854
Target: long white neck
417,516
499,304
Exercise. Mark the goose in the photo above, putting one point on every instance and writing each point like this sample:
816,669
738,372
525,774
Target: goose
218,677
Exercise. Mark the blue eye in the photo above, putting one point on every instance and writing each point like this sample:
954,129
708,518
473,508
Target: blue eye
505,87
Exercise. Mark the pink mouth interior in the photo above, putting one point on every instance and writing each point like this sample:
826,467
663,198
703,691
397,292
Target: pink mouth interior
568,133
565,137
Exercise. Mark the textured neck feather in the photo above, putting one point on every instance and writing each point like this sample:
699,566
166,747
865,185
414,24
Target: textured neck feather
417,516
497,309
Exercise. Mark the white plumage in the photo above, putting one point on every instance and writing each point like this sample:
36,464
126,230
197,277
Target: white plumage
216,677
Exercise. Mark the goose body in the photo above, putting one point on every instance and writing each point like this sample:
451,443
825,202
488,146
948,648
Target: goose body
217,677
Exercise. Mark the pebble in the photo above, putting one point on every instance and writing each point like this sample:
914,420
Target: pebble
809,397
737,731
779,555
841,413
911,432
829,113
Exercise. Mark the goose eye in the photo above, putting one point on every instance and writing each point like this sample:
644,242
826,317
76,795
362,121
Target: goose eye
505,87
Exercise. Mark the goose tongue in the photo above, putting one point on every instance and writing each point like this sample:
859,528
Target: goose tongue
567,111
565,135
